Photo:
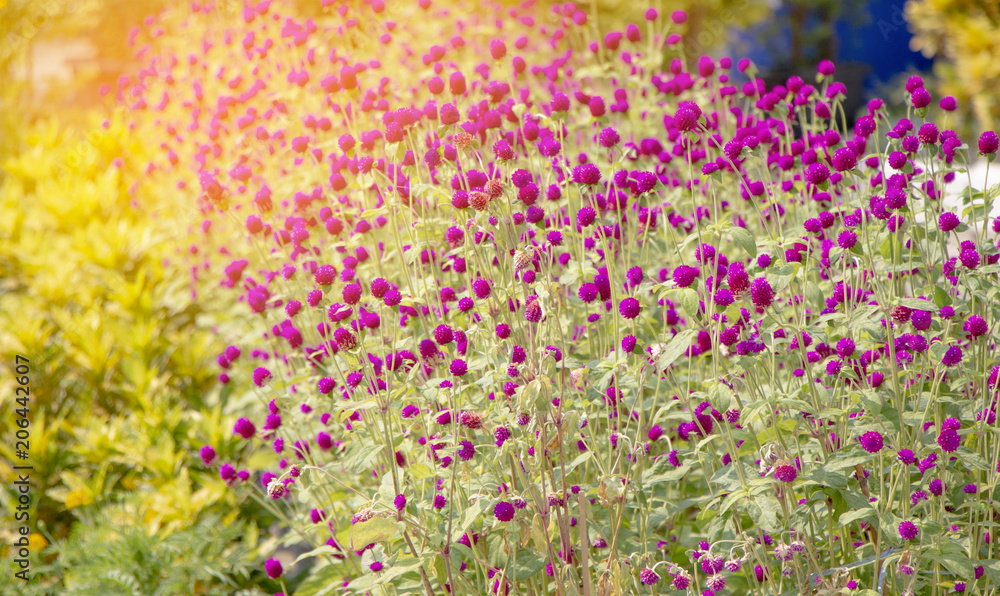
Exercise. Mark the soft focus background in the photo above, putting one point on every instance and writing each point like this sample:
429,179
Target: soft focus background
123,348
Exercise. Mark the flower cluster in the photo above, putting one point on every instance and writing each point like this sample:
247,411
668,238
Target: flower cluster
527,300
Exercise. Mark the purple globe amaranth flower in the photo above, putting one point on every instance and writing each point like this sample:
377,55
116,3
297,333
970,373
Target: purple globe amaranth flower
587,174
844,159
989,143
785,472
273,568
458,367
629,308
975,326
952,357
648,577
908,530
504,511
817,174
399,502
207,455
244,428
376,566
969,258
685,275
501,434
847,239
920,97
588,292
761,293
609,138
871,441
737,278
466,450
907,457
948,221
845,347
440,501
949,440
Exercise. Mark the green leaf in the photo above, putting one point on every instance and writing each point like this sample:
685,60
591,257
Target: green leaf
689,302
321,582
745,240
377,529
671,475
323,550
780,277
918,304
764,511
958,564
675,347
528,564
863,514
359,457
827,478
421,471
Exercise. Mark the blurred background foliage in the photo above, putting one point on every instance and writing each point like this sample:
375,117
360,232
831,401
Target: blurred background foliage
123,378
964,36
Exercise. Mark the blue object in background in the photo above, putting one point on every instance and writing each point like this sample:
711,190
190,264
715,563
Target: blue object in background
883,42
879,39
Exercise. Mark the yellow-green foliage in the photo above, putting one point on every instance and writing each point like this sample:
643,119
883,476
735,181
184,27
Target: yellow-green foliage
966,35
122,377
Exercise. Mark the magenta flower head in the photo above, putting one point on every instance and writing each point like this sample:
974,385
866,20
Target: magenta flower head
503,511
949,440
458,367
498,49
399,502
376,566
975,326
948,103
587,174
761,293
871,441
847,239
686,118
952,357
609,138
920,98
685,275
825,68
908,530
989,143
560,102
679,17
244,428
273,568
207,455
817,174
648,577
785,472
629,308
970,258
844,159
948,221
325,275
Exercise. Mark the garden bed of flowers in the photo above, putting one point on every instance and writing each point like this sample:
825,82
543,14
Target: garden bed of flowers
528,310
